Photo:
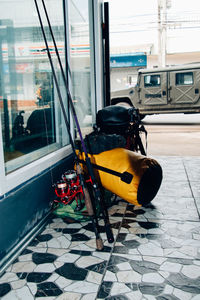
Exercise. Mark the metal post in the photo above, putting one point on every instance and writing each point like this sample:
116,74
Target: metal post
107,53
162,18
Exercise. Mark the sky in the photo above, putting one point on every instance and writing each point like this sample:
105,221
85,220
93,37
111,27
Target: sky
121,8
128,8
135,22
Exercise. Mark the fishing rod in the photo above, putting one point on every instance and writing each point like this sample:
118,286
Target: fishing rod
88,202
97,192
98,196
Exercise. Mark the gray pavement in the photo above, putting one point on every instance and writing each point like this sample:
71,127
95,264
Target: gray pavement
155,255
173,134
173,140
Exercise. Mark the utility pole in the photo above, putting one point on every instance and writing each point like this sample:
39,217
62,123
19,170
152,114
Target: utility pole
162,25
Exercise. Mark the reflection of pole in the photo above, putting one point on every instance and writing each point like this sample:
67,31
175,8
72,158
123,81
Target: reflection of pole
162,18
163,40
6,124
5,118
10,33
10,112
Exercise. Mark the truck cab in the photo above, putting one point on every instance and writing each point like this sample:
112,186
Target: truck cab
165,90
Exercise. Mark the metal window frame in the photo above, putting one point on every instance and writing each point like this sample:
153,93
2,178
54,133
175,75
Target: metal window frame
97,43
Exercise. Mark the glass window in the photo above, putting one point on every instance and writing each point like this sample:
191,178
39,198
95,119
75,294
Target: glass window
80,61
30,116
151,80
184,78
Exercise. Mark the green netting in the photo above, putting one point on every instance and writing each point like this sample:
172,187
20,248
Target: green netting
69,211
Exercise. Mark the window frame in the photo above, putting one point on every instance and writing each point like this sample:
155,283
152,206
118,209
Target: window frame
23,174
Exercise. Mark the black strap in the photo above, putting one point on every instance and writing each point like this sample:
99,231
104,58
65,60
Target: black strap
125,176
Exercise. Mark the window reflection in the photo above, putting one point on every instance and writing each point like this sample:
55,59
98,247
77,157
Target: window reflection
184,78
151,80
80,60
30,116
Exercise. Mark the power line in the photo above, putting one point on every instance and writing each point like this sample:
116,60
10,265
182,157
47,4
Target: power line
176,13
168,22
153,28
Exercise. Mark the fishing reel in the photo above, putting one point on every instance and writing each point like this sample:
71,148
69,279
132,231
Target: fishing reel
72,179
69,189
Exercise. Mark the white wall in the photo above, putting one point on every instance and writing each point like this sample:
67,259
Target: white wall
174,59
119,80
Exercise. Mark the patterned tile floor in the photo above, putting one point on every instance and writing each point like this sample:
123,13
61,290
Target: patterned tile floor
155,255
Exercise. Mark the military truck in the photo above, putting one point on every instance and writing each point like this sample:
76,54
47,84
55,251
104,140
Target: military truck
164,90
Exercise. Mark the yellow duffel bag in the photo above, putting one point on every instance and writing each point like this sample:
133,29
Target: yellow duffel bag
146,174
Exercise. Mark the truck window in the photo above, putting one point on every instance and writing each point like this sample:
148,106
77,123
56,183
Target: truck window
184,78
151,80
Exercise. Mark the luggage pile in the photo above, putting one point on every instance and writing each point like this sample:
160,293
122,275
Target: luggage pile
132,176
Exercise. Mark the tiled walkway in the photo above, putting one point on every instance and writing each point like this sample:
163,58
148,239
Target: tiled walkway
156,253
